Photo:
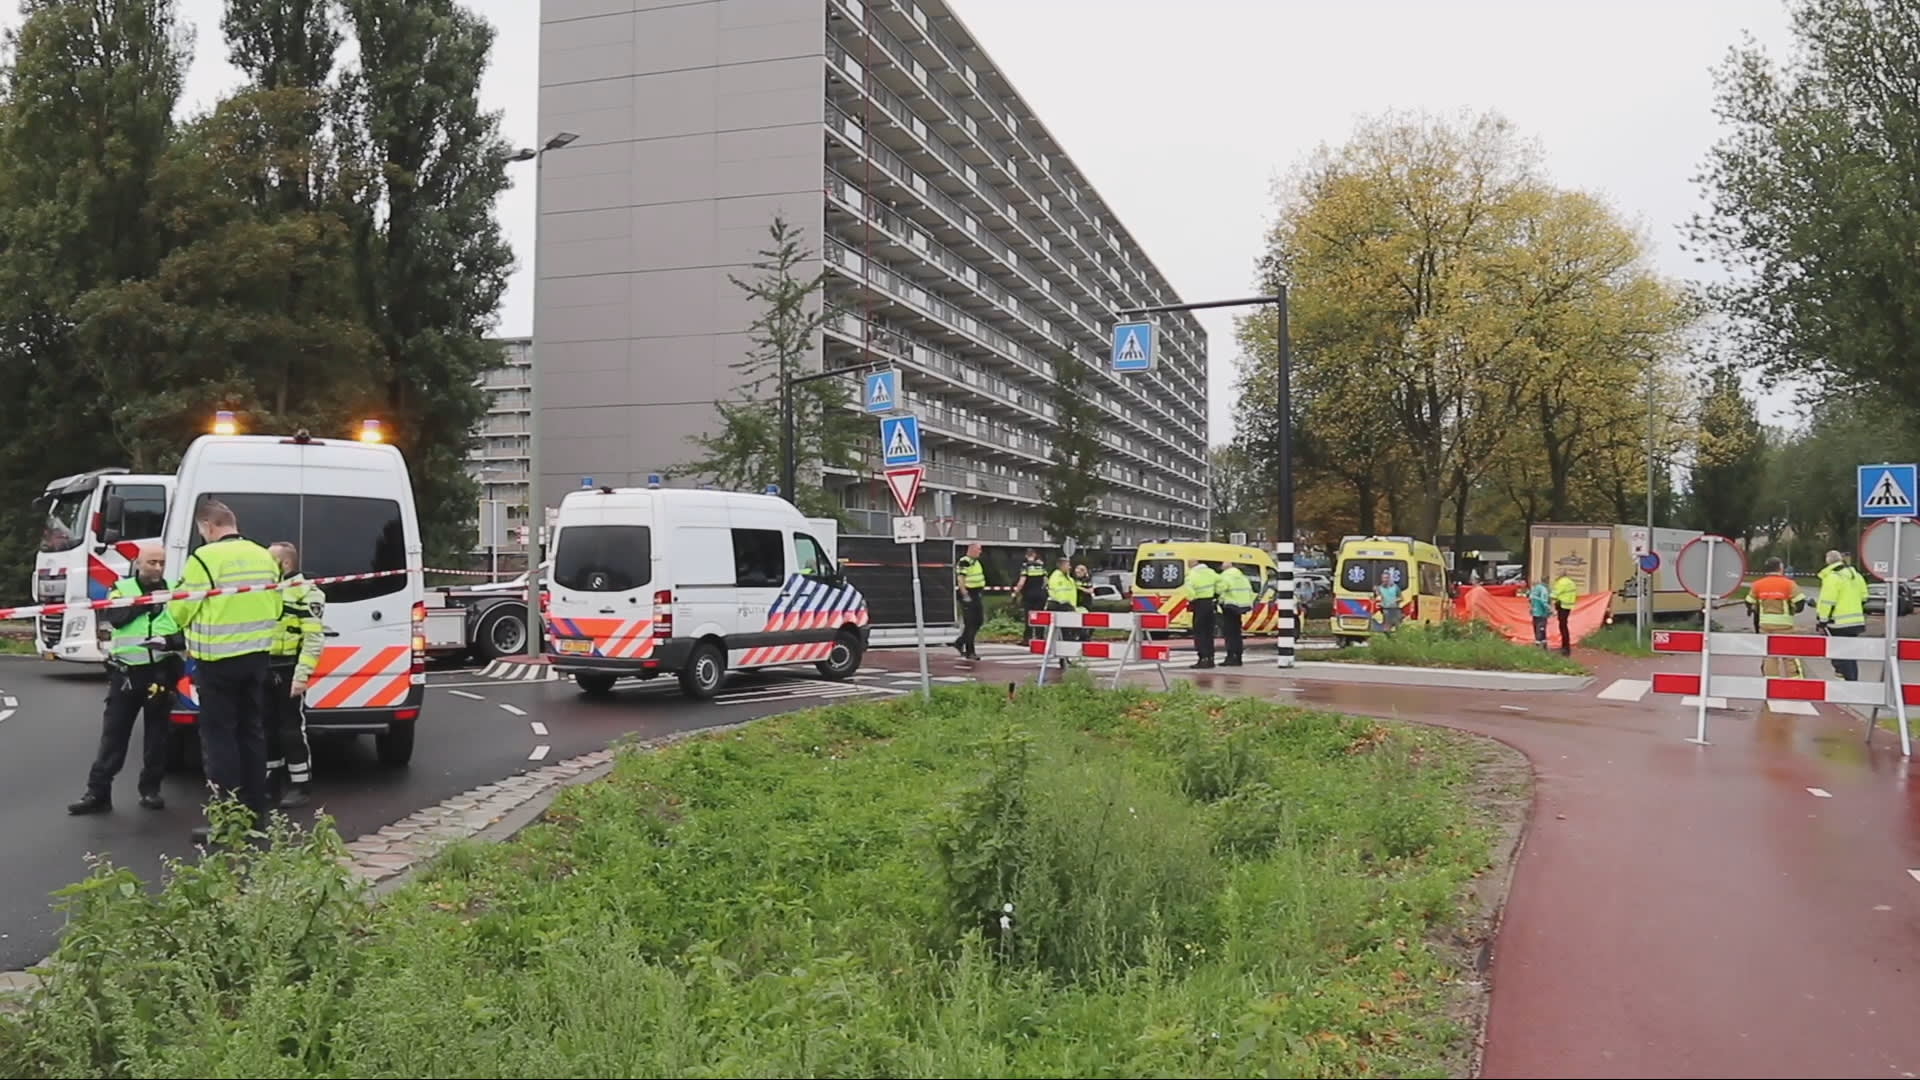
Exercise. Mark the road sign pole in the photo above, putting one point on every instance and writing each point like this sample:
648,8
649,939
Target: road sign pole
1706,647
920,621
1890,669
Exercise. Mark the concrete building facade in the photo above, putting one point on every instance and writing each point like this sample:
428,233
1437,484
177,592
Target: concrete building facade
958,241
498,460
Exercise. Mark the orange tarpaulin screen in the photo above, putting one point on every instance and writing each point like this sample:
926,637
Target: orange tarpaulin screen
1512,614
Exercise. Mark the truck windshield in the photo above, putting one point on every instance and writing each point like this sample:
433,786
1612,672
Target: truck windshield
66,525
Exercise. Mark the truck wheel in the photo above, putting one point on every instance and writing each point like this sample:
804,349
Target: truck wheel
395,745
705,671
844,660
594,685
501,631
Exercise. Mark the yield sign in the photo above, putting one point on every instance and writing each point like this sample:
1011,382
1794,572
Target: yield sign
905,485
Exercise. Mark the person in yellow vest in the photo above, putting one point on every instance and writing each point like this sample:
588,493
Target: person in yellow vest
1565,595
1841,610
1063,594
228,638
970,578
1774,600
140,680
1236,599
1203,589
295,654
1032,589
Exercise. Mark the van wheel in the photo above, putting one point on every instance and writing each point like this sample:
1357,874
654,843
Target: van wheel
705,670
395,745
594,685
844,660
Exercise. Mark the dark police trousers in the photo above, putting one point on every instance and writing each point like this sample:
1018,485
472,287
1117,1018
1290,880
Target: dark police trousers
286,723
129,696
972,613
1230,617
233,739
1203,628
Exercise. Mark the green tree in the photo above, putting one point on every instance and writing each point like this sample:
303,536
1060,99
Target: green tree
86,115
422,169
743,452
1815,197
1729,461
1072,484
1240,502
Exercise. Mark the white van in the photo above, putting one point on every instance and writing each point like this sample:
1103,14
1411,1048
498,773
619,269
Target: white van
348,506
650,580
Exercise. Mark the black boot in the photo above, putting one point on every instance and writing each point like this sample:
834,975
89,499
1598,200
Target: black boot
90,804
153,801
294,796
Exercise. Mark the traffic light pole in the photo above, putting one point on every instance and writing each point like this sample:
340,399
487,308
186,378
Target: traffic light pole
1284,535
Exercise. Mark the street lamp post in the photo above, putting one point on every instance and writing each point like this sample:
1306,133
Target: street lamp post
1283,539
536,509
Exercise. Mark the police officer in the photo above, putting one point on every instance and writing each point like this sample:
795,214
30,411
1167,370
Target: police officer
140,680
228,638
1203,585
295,653
1236,599
1842,608
971,579
1033,588
1063,594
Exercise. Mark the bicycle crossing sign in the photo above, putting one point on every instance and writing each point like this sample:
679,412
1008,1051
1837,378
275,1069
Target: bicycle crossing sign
1887,490
899,441
1133,346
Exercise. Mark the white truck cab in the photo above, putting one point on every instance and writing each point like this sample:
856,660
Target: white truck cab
646,581
348,507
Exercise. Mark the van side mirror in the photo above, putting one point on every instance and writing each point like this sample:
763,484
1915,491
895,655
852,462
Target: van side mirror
113,519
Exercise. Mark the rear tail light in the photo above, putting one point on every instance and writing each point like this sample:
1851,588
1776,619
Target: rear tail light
406,714
420,640
663,614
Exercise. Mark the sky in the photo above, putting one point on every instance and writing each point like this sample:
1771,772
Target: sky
1184,116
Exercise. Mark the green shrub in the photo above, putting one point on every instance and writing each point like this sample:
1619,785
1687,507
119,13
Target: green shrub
1455,644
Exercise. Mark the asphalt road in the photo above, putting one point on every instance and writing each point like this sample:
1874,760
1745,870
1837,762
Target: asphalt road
473,731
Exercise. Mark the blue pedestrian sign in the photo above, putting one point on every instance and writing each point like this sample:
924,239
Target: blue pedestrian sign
1133,346
899,441
882,394
1887,490
586,481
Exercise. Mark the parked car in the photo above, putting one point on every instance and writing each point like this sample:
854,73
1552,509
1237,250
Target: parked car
1877,598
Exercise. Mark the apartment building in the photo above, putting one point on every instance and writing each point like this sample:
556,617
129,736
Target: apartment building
498,459
958,240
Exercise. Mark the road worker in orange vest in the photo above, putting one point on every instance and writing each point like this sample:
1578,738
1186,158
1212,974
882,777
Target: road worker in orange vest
1774,600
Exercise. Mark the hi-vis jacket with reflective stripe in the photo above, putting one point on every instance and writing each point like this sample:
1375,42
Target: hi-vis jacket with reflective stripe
1235,590
301,632
225,627
132,626
1843,596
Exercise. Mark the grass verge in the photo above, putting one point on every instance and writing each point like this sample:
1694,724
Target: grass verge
1061,883
16,644
1474,646
1622,638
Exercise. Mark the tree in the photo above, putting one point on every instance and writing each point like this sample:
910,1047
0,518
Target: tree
1730,461
744,453
422,169
1072,484
1240,502
1814,198
86,115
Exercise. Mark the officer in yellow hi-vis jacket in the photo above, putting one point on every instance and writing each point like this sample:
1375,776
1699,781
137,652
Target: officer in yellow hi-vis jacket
228,639
970,579
296,652
1203,586
1842,608
1236,599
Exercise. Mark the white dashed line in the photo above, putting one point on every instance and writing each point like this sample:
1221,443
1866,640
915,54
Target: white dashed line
10,702
1514,708
1914,874
1626,690
1793,708
514,709
464,694
538,727
539,753
1820,793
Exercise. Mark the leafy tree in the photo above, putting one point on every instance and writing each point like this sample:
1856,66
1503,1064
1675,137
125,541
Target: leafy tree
1072,484
743,452
1240,501
86,115
422,167
1815,198
1730,461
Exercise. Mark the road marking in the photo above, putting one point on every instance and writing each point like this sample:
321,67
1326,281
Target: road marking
1914,874
514,709
951,678
464,694
11,702
539,753
1514,708
1712,702
1795,708
1626,690
538,727
1820,793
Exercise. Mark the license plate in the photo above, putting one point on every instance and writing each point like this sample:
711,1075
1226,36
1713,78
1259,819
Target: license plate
576,645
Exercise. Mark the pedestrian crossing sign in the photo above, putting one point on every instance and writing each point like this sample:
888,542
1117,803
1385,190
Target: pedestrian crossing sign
1133,346
899,441
1887,490
882,391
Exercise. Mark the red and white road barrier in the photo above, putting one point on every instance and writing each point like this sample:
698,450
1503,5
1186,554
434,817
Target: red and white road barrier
1105,650
1794,646
38,610
1773,688
1135,649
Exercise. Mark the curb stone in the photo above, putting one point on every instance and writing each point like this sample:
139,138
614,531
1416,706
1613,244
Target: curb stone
386,858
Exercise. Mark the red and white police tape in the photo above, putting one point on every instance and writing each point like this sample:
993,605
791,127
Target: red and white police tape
38,610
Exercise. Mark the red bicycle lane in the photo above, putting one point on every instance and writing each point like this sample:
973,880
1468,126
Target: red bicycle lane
1689,911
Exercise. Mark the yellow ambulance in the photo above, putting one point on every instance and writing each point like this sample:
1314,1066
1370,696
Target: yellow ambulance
1160,580
1367,561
